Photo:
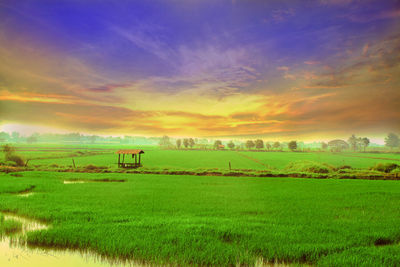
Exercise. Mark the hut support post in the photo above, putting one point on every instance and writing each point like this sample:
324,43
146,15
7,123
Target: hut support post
139,160
119,160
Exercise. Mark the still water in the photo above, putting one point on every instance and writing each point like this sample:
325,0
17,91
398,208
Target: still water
16,254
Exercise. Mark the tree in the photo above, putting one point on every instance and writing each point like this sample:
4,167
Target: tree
338,145
268,146
324,145
250,144
186,142
353,142
10,156
392,140
231,145
365,142
217,144
277,145
259,144
178,143
292,145
8,149
191,142
165,142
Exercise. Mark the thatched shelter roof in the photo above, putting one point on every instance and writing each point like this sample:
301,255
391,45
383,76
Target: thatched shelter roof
130,151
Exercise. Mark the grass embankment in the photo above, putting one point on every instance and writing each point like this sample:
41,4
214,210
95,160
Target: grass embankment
215,220
296,169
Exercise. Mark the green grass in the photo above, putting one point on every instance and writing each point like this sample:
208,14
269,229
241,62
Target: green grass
166,159
243,163
356,160
11,184
195,159
9,226
214,220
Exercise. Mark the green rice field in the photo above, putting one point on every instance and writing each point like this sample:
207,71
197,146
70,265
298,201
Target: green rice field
195,159
207,220
212,220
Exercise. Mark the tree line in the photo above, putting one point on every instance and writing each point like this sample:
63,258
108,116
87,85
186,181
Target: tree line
353,143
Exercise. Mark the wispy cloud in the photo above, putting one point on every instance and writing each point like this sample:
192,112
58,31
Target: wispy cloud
280,15
147,37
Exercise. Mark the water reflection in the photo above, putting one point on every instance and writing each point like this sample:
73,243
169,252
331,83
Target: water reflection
27,194
14,253
74,182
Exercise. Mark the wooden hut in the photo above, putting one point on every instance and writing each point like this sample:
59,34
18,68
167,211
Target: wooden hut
135,158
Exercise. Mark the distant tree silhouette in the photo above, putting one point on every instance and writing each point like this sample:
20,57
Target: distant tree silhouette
268,146
178,143
186,142
324,145
164,141
8,149
259,144
217,144
392,140
277,145
292,145
353,142
250,144
231,145
365,142
191,142
338,145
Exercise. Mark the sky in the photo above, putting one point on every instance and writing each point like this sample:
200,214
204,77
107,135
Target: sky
308,70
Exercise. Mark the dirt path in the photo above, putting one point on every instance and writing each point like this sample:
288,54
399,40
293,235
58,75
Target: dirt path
253,159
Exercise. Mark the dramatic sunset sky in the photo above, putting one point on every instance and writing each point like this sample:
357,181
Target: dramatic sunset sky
273,69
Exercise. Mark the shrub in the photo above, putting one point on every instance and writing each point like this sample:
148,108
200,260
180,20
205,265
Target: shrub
19,161
309,166
396,171
385,167
8,149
